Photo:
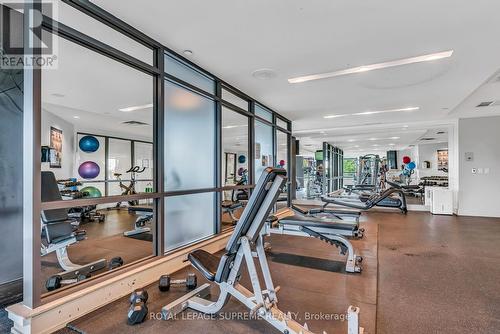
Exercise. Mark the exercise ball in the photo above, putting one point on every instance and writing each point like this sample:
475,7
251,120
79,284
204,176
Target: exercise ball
411,165
282,163
91,191
406,159
89,170
88,144
242,159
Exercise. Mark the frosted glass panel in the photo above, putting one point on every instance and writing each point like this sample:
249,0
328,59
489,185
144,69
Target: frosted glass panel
189,139
234,147
237,101
281,123
188,74
263,113
188,218
263,147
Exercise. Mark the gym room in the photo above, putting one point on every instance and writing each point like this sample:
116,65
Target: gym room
249,167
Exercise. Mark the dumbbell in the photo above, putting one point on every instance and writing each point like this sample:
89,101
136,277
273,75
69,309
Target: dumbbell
165,281
56,281
115,263
138,310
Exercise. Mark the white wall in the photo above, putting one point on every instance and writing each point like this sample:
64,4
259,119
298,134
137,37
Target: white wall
411,152
428,152
479,193
68,145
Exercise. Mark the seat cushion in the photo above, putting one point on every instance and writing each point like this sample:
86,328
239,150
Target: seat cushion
205,262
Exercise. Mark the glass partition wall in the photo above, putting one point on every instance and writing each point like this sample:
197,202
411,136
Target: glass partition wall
145,155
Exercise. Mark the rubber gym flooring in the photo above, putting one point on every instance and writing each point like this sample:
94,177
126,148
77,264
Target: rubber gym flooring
313,285
104,241
437,274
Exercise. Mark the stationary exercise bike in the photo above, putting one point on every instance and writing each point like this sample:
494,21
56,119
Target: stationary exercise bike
130,189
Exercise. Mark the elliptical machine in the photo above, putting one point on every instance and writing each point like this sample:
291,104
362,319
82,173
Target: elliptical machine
130,189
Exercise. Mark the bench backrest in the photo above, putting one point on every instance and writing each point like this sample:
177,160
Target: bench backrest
50,192
260,204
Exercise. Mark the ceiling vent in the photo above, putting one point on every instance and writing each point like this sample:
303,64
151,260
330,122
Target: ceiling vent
485,104
134,123
427,138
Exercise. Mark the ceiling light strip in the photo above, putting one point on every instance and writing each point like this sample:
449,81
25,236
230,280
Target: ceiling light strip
377,66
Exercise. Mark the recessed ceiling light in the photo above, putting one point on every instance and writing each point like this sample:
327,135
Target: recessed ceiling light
264,73
76,117
377,66
335,116
392,144
372,139
134,108
351,140
187,53
372,112
386,111
394,137
356,146
375,145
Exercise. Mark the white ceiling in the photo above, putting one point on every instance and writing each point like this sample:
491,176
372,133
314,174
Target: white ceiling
93,88
232,39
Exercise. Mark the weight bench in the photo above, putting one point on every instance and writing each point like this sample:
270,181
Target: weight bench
384,199
245,244
59,233
284,222
230,207
145,215
347,215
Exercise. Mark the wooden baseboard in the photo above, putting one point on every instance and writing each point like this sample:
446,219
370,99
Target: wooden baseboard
11,292
55,314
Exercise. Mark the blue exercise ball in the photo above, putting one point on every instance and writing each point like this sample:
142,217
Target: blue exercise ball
88,144
242,159
411,165
89,170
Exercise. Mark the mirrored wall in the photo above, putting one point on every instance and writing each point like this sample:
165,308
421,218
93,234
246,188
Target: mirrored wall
142,152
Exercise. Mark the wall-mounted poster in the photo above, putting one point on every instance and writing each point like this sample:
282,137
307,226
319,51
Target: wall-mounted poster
442,160
56,137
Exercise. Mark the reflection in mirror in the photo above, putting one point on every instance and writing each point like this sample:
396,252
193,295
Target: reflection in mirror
282,161
263,148
96,136
234,165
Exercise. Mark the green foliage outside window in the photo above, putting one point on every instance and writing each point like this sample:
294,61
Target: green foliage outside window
349,167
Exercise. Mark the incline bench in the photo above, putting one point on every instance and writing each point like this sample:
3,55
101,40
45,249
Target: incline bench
333,232
245,244
59,235
384,199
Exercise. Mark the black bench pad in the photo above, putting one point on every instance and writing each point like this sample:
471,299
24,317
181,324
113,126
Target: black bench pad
140,209
205,262
298,220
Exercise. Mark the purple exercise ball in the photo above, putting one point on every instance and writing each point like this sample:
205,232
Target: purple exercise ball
89,170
